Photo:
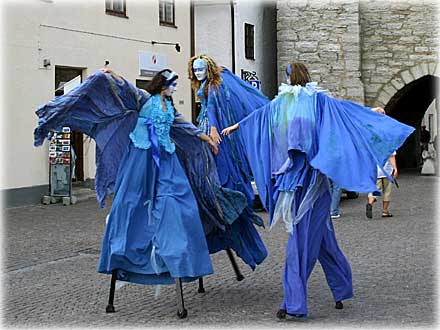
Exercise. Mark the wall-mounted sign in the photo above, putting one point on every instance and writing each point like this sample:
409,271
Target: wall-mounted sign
251,78
151,63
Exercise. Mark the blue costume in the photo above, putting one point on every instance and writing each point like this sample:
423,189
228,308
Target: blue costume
294,144
154,233
230,102
136,159
224,106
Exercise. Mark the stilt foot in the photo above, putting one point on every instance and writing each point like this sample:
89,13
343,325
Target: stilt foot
201,290
182,314
110,309
339,305
240,277
281,314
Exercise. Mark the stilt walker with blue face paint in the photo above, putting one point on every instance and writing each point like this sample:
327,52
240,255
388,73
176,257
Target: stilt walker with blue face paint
294,145
226,99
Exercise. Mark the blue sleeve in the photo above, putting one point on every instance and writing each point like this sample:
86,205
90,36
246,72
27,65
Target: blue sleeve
212,109
181,122
254,131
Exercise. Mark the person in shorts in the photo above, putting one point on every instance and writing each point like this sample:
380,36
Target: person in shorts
384,186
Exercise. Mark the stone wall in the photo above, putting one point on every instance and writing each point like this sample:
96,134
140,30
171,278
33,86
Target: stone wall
363,51
325,35
399,45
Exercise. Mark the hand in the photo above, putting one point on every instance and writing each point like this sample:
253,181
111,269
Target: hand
379,110
213,146
395,174
114,74
214,135
230,129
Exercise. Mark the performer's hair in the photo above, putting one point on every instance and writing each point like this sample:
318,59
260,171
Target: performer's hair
299,75
212,73
157,84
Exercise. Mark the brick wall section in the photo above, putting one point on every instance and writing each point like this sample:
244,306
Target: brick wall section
399,39
325,35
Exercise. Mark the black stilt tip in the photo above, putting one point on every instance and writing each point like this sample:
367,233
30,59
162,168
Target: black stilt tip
339,305
182,314
281,314
201,290
240,277
110,309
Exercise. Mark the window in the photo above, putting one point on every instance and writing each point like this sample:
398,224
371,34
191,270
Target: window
115,7
249,41
142,83
166,12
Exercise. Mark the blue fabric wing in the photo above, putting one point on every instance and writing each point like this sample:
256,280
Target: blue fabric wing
218,207
103,109
353,140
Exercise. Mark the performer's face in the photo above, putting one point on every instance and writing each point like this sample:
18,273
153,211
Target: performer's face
171,89
199,69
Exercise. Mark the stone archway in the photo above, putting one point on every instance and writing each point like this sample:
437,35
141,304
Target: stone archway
406,98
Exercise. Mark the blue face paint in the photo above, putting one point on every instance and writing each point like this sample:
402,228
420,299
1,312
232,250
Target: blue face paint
199,69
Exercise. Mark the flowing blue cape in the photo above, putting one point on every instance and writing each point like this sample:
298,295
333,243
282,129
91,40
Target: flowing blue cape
226,105
107,111
342,139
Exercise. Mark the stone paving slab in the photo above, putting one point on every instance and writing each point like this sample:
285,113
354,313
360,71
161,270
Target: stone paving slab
51,256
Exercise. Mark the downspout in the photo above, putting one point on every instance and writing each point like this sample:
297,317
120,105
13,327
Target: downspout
233,34
194,111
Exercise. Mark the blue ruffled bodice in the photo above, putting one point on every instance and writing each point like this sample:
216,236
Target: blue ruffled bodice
153,116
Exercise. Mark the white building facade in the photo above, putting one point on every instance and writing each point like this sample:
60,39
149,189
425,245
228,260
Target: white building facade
48,42
240,35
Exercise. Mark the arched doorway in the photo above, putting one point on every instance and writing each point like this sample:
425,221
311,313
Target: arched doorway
408,106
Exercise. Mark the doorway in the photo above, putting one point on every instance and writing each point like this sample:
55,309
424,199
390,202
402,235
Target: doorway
63,75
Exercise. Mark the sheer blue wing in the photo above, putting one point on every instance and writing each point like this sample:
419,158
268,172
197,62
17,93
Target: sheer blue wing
353,140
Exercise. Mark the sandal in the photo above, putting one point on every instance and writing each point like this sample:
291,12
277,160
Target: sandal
369,211
386,215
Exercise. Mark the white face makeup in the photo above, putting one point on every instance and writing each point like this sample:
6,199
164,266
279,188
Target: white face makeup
171,89
199,69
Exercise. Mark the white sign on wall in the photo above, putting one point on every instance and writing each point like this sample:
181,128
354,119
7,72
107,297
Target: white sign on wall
68,86
150,63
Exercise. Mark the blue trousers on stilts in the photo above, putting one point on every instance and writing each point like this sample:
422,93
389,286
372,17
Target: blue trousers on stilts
312,239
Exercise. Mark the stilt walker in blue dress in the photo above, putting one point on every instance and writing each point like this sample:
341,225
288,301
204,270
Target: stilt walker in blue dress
152,234
226,99
294,145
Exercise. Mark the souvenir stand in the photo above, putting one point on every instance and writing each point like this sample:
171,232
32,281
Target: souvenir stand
60,168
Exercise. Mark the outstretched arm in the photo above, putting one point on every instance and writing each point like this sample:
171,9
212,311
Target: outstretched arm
230,129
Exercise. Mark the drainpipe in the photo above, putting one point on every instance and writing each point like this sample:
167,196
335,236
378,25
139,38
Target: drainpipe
233,34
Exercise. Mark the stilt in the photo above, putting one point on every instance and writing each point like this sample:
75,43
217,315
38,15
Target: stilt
201,288
110,308
240,277
281,314
181,311
339,305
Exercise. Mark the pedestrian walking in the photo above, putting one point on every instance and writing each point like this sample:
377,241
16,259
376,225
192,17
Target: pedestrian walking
384,185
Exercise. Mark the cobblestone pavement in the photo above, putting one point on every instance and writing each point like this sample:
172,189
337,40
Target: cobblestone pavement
51,254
